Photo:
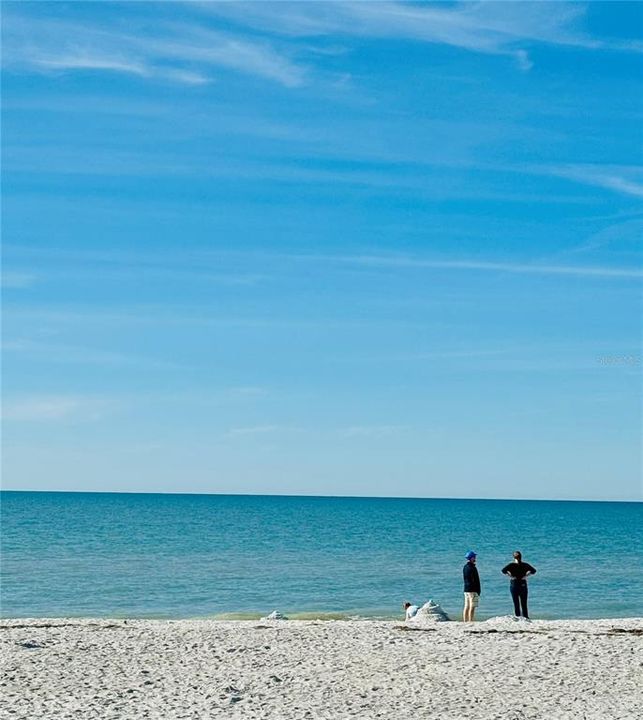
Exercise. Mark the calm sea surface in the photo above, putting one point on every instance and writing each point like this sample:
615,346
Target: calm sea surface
92,554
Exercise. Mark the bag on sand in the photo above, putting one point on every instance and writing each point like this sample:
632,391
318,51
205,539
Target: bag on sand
430,612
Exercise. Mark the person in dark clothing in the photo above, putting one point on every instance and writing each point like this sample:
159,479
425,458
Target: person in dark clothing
471,587
518,572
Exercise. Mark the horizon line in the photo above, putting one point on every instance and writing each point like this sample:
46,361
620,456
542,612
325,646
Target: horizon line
315,496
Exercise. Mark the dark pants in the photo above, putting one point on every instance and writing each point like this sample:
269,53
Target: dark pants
519,594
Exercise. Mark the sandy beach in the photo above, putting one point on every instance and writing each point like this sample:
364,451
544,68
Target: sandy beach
499,668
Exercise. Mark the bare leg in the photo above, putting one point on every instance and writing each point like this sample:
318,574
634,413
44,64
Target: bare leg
467,613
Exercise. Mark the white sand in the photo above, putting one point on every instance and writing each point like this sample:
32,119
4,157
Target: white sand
90,669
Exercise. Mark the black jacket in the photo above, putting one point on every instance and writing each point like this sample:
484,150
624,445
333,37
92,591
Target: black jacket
518,570
471,578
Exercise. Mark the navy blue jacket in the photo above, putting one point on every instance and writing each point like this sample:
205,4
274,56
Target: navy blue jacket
471,578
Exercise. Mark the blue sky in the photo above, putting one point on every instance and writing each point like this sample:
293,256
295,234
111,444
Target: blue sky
365,248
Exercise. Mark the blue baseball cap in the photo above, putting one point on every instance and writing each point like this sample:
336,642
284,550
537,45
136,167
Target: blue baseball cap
470,555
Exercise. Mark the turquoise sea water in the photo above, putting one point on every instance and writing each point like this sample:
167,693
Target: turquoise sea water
131,555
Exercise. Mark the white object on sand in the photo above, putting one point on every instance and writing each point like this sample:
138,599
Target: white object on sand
275,615
430,612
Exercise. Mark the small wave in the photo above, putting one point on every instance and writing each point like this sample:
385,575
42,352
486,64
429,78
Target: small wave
311,615
323,616
237,616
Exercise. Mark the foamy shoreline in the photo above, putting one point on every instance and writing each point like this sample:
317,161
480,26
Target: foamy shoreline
104,669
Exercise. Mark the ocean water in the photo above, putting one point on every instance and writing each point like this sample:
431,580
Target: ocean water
176,556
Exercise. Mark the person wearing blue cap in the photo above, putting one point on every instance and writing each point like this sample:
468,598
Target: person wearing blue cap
471,587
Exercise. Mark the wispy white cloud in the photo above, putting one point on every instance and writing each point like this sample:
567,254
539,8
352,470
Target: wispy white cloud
419,179
387,261
189,52
625,180
484,27
215,48
275,264
86,61
167,316
184,53
50,408
187,77
624,238
119,265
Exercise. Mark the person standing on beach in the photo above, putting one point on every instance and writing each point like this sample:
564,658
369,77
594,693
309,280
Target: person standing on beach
519,571
471,587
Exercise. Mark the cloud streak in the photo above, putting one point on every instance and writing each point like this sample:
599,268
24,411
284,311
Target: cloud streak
269,36
481,266
624,180
87,61
482,27
199,262
52,408
182,53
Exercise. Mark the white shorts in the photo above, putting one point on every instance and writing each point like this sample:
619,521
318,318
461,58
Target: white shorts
471,599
